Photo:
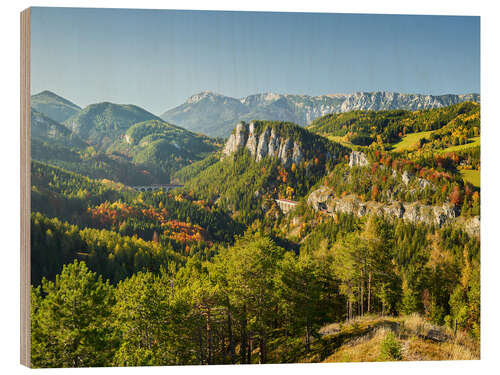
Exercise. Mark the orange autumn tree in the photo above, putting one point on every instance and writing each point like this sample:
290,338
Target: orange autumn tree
456,196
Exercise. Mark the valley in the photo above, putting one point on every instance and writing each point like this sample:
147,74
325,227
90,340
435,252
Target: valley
268,229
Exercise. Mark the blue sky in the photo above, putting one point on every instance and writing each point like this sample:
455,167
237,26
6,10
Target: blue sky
156,59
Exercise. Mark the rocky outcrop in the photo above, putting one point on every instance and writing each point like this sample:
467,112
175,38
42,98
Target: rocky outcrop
267,143
237,140
471,225
297,154
264,144
357,159
405,177
410,181
323,200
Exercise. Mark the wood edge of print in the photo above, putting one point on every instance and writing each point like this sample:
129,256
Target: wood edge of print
25,189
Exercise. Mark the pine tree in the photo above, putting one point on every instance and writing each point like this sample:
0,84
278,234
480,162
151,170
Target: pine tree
71,324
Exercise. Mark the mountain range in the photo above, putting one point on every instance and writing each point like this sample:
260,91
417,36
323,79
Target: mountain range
129,144
215,115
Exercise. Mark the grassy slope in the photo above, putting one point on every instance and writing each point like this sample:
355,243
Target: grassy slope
471,175
338,139
476,141
360,341
408,141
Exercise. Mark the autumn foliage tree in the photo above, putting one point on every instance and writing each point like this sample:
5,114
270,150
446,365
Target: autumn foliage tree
456,196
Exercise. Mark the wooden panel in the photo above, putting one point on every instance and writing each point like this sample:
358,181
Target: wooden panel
25,188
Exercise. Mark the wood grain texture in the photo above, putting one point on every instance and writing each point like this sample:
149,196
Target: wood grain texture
25,188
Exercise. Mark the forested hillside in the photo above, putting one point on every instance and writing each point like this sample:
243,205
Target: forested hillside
366,127
100,124
94,164
376,259
299,161
45,129
161,147
256,302
386,178
123,143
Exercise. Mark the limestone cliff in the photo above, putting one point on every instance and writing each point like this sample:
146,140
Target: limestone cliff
323,199
357,158
263,140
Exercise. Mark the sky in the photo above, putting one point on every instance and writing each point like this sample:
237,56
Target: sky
158,58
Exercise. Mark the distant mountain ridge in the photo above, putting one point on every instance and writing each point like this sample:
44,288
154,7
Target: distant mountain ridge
215,114
128,143
54,106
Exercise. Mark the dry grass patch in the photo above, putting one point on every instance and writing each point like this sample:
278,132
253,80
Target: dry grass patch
428,342
365,348
426,350
409,338
415,325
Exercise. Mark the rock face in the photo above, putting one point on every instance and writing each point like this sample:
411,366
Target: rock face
471,225
237,140
215,114
406,178
357,158
264,145
324,200
267,143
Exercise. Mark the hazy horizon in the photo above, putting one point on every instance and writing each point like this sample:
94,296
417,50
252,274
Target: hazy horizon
156,59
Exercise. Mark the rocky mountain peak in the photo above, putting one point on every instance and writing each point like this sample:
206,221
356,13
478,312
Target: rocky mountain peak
202,95
261,99
54,106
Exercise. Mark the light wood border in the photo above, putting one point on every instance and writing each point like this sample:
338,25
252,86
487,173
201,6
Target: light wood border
25,188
